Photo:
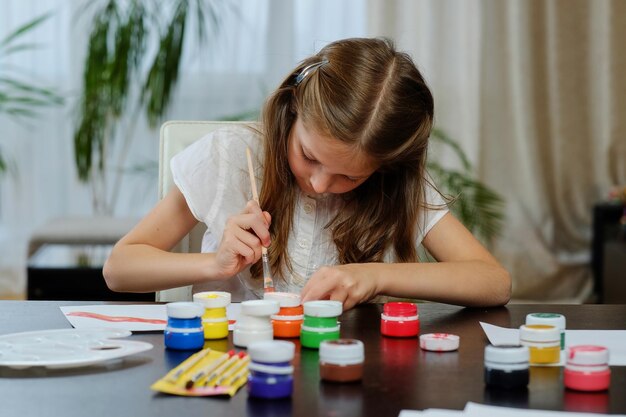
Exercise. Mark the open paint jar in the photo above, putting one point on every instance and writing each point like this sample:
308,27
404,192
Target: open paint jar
506,366
214,319
320,322
399,319
184,326
254,322
341,360
587,368
543,342
551,319
271,372
288,322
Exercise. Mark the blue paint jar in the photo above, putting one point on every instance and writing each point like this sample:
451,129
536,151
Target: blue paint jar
184,326
271,372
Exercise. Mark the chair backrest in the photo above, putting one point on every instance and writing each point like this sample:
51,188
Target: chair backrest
176,136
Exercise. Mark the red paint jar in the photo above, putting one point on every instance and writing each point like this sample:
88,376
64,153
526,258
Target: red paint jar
399,319
587,368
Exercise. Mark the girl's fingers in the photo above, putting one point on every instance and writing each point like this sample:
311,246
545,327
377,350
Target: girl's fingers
317,288
250,241
251,222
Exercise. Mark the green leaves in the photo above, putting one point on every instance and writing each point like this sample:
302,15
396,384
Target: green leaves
115,52
19,98
477,206
115,76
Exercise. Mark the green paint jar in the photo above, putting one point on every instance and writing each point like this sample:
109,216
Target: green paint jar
320,322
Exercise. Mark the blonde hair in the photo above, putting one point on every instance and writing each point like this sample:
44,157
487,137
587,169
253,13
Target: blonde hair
372,97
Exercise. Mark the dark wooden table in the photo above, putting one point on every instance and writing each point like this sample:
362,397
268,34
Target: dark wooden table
398,374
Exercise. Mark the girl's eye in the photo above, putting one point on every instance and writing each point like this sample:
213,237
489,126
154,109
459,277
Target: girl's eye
353,180
307,159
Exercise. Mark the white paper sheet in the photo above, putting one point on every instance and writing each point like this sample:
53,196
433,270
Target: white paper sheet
481,410
614,340
136,318
431,412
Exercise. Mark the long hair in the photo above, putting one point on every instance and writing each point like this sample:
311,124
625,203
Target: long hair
369,96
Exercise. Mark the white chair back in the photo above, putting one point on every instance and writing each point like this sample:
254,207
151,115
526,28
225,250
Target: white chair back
176,136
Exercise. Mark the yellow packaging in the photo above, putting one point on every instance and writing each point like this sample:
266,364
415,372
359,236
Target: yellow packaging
206,373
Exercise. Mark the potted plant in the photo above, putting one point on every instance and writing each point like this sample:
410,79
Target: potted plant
117,88
476,205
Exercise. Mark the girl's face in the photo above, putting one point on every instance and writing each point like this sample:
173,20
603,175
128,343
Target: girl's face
323,164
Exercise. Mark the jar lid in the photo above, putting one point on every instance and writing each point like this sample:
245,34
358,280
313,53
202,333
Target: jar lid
285,299
342,351
507,353
539,333
259,307
439,342
323,308
271,351
587,355
553,319
400,309
212,299
184,310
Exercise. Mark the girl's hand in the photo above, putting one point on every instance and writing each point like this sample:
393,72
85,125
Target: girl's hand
244,235
351,284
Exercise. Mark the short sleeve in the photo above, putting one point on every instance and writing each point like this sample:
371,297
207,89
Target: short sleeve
212,175
434,209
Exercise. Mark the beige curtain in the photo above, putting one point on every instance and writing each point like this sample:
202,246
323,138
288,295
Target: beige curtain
535,92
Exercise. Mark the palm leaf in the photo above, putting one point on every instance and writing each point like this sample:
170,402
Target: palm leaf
478,207
25,28
21,99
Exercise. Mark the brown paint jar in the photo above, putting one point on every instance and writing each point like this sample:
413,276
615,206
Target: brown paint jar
341,360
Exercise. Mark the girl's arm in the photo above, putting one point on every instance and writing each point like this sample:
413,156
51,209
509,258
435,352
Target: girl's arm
141,261
465,274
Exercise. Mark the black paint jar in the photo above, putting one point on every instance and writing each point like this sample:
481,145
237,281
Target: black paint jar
506,366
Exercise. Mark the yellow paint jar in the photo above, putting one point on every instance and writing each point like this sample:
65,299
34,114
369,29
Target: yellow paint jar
214,319
543,341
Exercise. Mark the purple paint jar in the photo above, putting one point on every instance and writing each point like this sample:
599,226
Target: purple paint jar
271,372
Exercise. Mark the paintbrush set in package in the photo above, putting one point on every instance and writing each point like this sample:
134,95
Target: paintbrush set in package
206,373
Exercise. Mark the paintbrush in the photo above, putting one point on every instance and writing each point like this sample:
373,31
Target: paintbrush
241,363
208,369
268,282
187,365
209,381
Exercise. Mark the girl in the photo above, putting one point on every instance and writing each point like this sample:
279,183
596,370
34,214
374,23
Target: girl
344,201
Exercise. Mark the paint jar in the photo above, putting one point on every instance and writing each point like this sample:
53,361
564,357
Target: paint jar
587,368
214,320
543,341
399,319
271,372
506,366
341,360
439,342
288,322
254,323
320,322
552,319
184,326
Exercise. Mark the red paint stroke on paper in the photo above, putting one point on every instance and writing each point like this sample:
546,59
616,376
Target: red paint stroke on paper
116,318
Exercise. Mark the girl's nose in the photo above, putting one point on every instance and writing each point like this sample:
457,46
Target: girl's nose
320,182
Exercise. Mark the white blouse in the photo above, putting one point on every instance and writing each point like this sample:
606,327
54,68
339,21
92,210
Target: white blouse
212,175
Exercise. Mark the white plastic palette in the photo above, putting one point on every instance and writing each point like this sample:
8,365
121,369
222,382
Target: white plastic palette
66,348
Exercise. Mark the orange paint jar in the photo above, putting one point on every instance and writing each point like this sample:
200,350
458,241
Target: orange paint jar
288,321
